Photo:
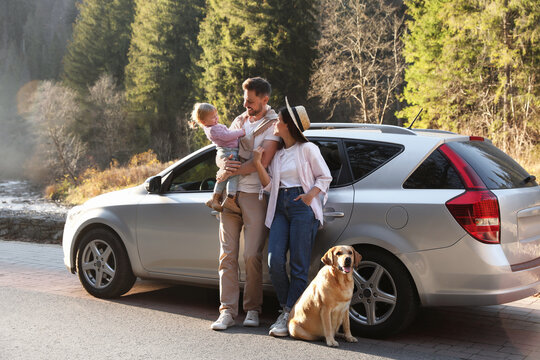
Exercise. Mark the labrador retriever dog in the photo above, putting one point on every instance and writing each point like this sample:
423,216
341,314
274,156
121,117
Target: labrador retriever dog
324,305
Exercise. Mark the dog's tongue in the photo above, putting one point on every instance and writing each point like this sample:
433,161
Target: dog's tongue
347,269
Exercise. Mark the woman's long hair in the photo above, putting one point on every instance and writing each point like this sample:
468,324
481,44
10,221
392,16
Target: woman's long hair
293,129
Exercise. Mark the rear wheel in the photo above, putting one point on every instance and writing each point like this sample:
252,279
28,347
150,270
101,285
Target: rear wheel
103,265
384,301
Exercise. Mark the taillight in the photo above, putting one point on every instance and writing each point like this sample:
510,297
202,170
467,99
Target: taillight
478,213
476,210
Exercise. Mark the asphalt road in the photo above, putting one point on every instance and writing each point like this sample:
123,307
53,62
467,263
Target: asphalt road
46,314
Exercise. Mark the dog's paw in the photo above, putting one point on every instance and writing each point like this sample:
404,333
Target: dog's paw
351,339
332,343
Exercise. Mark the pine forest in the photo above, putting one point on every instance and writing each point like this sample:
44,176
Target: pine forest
88,85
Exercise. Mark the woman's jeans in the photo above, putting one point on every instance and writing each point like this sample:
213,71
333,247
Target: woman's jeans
232,182
293,229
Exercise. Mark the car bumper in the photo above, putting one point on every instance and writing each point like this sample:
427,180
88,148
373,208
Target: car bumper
67,245
470,273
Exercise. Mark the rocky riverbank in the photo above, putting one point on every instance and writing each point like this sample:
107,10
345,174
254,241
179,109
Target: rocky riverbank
32,226
26,216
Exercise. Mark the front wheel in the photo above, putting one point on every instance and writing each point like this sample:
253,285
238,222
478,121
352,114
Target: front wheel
103,265
384,301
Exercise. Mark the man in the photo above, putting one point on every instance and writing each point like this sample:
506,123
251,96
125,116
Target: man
258,123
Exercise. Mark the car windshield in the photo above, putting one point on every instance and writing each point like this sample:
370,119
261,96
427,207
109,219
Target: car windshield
496,169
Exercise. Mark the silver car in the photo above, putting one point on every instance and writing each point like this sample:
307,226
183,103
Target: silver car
440,219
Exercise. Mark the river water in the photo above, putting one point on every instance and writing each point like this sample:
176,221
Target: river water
19,196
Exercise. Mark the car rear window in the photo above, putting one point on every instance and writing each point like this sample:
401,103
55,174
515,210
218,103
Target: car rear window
435,172
496,169
367,156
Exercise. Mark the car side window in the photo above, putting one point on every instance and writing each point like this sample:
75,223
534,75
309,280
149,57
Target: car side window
435,172
197,175
367,156
334,159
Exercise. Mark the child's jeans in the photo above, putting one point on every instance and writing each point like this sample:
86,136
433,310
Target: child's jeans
231,183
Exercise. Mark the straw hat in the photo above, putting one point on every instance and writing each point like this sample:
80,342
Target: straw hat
299,116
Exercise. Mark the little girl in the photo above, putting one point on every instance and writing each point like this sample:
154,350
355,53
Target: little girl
226,140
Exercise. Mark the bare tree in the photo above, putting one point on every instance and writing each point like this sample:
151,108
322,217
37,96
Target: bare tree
108,120
59,151
360,60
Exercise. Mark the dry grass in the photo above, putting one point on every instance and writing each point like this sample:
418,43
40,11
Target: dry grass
533,167
530,160
93,182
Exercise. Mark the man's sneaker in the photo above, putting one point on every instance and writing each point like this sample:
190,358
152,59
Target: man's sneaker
279,328
224,321
252,318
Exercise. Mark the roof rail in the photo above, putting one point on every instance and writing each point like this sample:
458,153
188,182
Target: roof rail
388,129
434,131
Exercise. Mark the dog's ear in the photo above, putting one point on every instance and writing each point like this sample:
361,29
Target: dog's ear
357,258
328,258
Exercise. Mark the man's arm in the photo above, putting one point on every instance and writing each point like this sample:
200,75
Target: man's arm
232,167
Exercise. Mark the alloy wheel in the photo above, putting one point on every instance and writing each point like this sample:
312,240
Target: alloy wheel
98,263
375,296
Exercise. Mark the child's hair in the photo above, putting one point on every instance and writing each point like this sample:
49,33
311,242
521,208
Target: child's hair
200,111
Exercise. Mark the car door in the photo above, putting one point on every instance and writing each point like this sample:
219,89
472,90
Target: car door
338,208
176,232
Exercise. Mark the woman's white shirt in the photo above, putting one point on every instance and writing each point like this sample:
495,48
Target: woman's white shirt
288,171
312,171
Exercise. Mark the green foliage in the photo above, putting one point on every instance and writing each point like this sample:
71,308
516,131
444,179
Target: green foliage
101,37
474,67
273,39
160,73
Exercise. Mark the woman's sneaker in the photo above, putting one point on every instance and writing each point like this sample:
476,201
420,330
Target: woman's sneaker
279,328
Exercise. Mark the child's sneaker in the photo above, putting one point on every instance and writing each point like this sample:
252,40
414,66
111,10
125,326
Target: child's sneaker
230,203
214,202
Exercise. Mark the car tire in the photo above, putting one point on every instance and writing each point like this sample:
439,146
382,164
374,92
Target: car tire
103,265
384,301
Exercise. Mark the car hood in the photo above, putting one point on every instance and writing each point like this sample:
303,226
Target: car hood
117,198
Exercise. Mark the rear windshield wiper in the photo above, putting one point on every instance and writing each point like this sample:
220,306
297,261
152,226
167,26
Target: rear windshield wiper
528,179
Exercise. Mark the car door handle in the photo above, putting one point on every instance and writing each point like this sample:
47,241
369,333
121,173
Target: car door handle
334,214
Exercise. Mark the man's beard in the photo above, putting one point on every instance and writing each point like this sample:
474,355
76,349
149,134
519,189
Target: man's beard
254,112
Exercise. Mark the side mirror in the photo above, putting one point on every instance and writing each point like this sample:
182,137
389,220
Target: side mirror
153,184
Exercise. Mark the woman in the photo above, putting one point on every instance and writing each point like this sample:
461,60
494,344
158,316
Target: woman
298,178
